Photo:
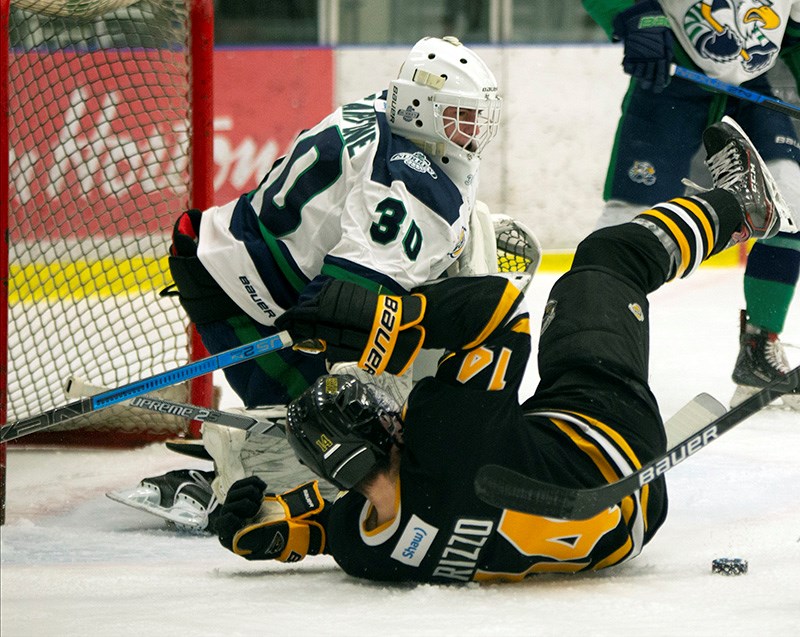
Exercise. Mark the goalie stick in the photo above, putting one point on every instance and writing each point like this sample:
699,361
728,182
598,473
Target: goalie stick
508,489
77,388
62,414
736,91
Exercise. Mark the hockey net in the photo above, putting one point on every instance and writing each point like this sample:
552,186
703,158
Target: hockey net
109,131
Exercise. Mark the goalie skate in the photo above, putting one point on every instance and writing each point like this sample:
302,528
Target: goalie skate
184,498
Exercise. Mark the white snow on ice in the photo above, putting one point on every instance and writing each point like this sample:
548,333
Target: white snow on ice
75,563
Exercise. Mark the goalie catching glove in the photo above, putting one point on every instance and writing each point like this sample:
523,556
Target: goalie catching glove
381,332
265,526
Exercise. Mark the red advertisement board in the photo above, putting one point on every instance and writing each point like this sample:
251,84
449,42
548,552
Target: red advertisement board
262,99
91,160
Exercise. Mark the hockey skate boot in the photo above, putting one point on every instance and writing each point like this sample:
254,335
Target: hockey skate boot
761,360
184,498
737,167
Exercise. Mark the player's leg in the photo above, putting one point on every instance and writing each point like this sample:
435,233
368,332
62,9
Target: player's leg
656,138
771,276
593,349
773,265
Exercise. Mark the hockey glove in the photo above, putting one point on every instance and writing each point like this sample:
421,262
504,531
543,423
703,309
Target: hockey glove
647,37
261,526
381,332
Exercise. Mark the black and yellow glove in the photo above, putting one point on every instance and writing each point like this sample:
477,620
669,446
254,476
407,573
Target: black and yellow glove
381,332
265,526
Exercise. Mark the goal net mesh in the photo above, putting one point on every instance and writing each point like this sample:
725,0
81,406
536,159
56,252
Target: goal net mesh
99,132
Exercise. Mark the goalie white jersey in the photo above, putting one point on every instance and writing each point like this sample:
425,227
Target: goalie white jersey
348,200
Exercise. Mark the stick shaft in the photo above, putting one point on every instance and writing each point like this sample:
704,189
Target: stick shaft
62,414
736,91
505,488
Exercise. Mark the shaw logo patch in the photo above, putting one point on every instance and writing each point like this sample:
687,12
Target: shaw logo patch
415,542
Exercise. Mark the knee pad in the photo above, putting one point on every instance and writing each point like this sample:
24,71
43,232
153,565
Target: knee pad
595,318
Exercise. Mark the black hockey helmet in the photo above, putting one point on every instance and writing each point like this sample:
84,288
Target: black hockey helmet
336,428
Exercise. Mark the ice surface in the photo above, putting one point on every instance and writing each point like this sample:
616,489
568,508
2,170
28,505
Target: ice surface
75,563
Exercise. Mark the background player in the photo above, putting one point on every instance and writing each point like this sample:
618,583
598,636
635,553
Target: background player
737,41
382,192
411,512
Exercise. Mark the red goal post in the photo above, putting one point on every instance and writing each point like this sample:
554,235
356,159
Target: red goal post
107,122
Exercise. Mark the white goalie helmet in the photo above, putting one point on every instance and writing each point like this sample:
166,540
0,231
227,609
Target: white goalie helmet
445,99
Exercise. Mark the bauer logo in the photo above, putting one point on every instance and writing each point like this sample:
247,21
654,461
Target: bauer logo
415,542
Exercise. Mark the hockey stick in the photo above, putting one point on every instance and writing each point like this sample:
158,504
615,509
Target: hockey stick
62,414
76,388
736,91
504,488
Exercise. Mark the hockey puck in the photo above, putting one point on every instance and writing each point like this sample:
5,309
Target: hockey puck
729,566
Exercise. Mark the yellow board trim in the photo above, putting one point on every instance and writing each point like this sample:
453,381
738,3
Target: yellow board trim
105,278
79,280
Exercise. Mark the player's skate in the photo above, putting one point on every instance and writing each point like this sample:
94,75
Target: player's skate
737,167
183,498
761,360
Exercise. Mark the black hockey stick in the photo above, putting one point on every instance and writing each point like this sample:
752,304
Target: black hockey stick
76,388
58,415
507,489
737,91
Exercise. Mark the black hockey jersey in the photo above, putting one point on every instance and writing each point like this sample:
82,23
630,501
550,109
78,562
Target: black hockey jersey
466,416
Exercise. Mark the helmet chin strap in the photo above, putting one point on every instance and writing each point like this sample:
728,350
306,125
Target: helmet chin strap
434,149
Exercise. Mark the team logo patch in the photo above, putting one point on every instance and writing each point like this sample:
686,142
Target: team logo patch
416,161
549,315
415,542
408,114
642,172
636,310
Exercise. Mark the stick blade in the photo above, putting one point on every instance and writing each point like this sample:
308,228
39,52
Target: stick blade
502,487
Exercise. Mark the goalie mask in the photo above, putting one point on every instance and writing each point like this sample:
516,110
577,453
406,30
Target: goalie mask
445,100
338,429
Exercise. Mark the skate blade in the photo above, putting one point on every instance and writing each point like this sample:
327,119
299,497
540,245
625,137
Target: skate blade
182,513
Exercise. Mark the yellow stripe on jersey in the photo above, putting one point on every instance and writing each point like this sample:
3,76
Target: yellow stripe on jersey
616,556
609,472
698,212
523,326
629,453
589,448
510,295
680,238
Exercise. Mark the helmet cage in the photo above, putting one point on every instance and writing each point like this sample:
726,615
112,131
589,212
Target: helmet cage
475,121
